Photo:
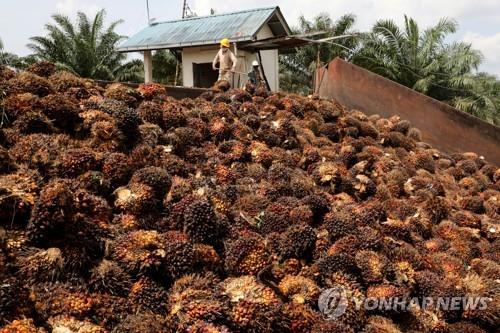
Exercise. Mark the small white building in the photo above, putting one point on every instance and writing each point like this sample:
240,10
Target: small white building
255,34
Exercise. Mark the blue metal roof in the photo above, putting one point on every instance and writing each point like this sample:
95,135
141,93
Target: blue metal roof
205,30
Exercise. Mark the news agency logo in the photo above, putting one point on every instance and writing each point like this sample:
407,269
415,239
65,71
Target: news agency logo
333,302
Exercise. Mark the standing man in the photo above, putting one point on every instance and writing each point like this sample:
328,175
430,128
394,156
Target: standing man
226,60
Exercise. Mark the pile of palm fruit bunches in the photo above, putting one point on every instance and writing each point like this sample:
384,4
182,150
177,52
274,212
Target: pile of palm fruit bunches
125,210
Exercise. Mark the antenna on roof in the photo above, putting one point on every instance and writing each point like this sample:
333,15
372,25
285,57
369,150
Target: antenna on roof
184,7
186,11
150,20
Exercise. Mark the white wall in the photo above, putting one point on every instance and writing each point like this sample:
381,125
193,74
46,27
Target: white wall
206,54
269,60
195,55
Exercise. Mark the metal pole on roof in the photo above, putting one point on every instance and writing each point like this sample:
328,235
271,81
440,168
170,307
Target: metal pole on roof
177,64
147,8
184,9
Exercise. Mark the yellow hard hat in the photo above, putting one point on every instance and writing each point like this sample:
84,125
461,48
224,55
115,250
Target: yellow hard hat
224,42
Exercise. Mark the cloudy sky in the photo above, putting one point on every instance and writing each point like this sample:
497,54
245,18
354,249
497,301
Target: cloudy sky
479,20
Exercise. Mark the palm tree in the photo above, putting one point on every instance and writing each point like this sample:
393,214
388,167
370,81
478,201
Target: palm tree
7,58
297,69
422,60
482,98
86,48
418,59
164,65
131,71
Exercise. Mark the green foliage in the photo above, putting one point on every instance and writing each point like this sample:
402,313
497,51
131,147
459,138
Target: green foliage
10,59
164,66
422,60
291,82
481,97
86,47
5,57
297,68
131,71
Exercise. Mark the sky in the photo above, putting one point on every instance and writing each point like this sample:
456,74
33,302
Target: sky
479,20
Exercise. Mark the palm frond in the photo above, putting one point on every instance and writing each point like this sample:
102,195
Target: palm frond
97,25
86,47
426,62
65,23
132,71
390,34
344,24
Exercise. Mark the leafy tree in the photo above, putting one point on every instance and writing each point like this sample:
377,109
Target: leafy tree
418,59
7,58
481,97
422,60
297,69
164,66
131,71
13,60
86,47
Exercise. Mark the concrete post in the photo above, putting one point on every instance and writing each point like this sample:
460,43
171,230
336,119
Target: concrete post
148,67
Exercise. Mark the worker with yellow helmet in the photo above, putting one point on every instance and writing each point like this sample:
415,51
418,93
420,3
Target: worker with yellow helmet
226,60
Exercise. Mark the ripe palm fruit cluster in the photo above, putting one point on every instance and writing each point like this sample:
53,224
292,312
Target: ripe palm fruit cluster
125,210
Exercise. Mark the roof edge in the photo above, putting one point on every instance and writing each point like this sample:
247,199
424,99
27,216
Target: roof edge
281,17
221,14
153,47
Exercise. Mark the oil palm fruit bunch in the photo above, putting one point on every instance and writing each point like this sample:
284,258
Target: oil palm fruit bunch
123,209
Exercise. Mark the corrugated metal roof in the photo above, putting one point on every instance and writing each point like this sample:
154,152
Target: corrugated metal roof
203,30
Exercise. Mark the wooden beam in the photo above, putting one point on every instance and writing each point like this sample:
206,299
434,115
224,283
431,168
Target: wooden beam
262,70
148,67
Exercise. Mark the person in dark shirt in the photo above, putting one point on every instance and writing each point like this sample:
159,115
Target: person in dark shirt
254,75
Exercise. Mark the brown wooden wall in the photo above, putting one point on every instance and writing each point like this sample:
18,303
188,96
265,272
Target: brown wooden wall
442,126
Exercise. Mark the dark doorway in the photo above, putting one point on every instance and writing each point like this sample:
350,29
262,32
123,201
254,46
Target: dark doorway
203,75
